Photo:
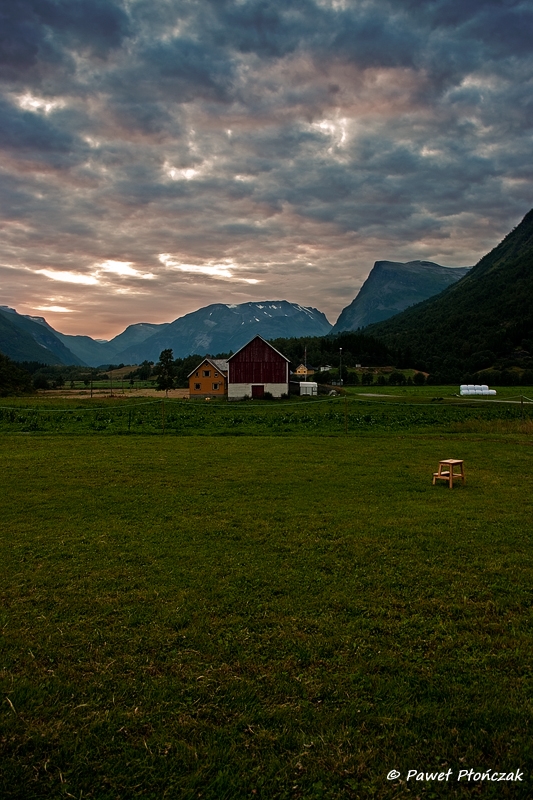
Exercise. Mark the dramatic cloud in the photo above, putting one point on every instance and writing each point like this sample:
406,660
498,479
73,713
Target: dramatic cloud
159,156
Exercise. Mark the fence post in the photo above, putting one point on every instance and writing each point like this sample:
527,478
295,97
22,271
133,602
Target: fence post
345,414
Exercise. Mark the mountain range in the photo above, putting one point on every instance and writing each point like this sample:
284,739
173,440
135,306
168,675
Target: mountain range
213,329
484,313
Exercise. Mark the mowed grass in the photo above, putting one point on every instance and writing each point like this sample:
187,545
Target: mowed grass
264,617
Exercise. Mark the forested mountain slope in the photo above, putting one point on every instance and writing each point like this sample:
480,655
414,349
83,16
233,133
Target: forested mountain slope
486,316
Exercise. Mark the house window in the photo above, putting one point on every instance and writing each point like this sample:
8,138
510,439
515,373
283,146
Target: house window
216,387
197,386
206,373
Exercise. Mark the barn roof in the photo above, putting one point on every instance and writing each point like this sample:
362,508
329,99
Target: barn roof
263,340
219,364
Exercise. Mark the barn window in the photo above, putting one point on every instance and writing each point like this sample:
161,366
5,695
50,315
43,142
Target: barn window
206,373
215,375
197,386
196,374
216,387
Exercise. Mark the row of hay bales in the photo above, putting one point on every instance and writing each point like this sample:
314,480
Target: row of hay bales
476,388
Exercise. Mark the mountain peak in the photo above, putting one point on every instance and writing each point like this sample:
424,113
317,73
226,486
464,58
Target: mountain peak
221,327
393,286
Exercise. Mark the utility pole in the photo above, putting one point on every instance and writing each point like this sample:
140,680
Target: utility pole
340,366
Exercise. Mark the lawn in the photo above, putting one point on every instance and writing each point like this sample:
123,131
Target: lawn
274,616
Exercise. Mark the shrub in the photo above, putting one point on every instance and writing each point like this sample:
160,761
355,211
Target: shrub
510,378
40,382
397,378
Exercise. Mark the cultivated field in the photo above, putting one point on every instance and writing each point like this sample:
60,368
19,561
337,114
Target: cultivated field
267,601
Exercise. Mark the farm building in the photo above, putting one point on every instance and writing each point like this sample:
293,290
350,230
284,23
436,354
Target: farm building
303,371
209,379
255,369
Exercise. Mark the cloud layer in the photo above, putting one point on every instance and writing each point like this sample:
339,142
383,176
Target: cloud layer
159,156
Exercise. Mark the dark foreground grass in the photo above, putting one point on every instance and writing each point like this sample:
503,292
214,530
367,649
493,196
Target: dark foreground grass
263,617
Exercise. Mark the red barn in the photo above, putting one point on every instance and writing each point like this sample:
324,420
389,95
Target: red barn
255,369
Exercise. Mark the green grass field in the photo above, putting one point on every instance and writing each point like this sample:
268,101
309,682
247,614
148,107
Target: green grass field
282,615
359,411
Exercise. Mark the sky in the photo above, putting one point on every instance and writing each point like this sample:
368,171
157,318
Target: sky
157,156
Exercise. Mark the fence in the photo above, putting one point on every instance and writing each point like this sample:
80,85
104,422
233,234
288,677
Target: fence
178,417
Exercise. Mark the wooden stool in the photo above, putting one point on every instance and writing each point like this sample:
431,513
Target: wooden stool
446,471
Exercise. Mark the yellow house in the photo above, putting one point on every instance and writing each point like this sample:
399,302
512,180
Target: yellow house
303,370
209,379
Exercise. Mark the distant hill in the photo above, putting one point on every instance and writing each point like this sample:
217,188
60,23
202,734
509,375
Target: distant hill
22,339
391,287
486,316
96,353
220,328
136,334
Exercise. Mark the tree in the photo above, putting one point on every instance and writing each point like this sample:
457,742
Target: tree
165,371
13,380
352,378
40,381
145,370
397,378
322,377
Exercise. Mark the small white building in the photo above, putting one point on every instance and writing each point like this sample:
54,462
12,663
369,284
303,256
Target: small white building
308,389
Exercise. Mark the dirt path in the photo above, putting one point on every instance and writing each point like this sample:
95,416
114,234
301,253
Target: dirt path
102,394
